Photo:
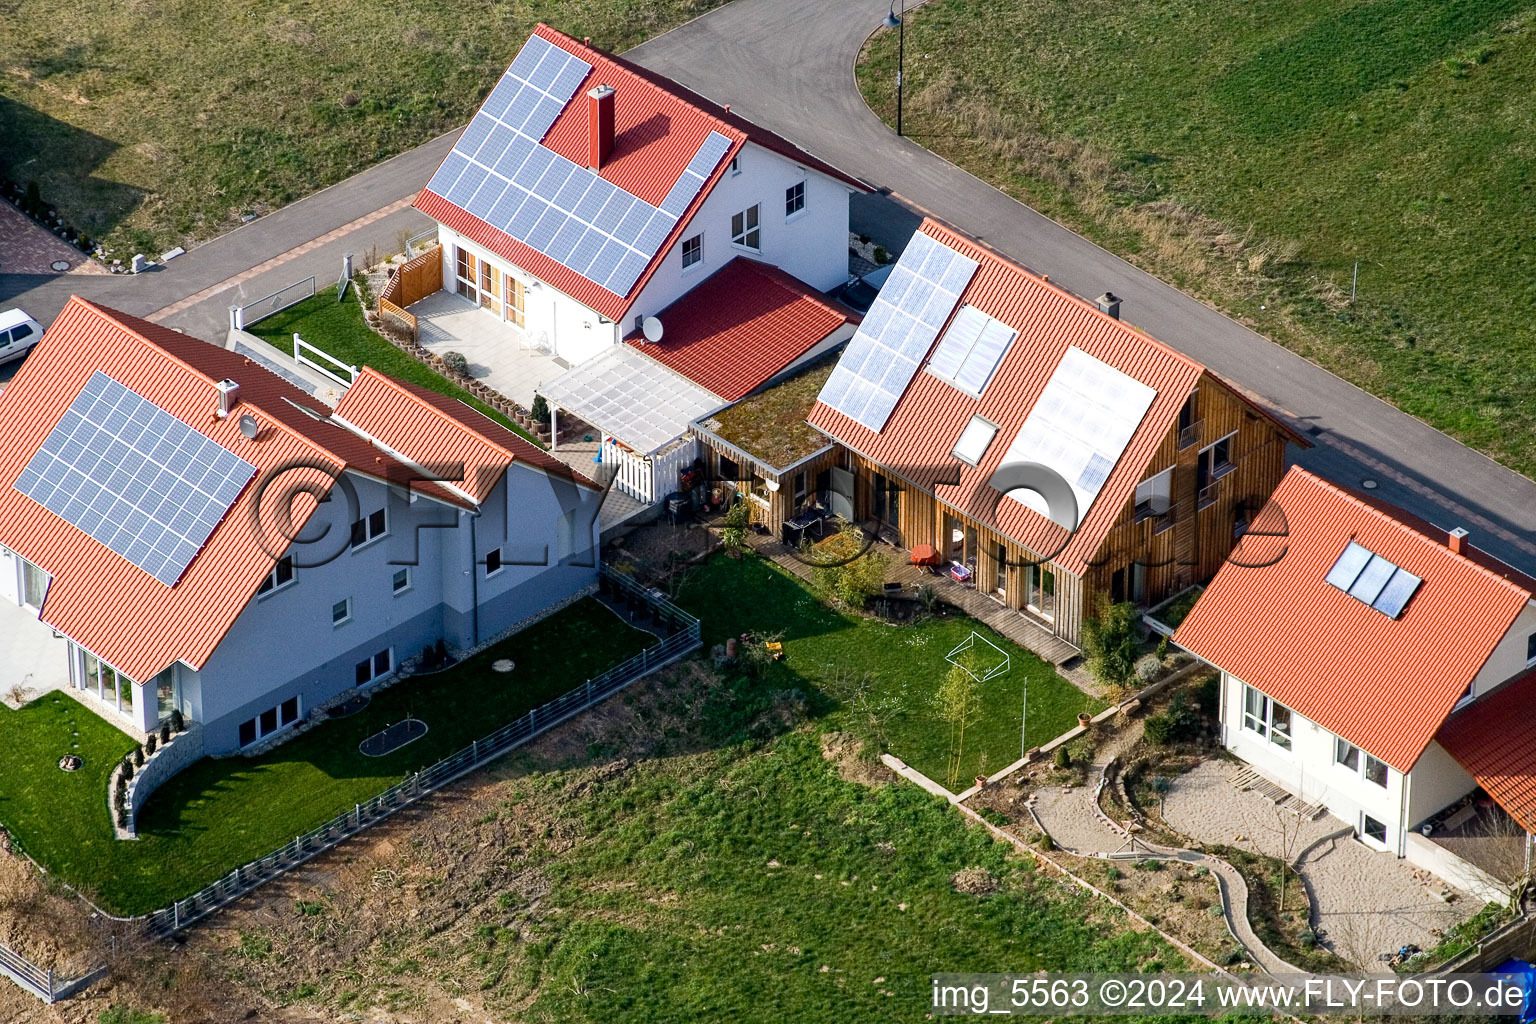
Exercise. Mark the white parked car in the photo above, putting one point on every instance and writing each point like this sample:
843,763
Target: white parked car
18,333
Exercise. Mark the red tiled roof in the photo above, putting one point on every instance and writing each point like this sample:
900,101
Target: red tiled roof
658,127
740,326
920,434
1494,739
1272,620
97,598
435,431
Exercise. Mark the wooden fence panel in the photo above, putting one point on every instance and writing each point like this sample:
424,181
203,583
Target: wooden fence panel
415,279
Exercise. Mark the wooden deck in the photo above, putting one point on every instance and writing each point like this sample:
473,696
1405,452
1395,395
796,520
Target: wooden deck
1016,626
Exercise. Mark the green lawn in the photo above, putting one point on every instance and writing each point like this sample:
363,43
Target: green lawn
157,124
889,672
1252,153
225,812
337,328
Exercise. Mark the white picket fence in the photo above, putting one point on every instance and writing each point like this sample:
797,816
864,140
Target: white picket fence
334,370
648,478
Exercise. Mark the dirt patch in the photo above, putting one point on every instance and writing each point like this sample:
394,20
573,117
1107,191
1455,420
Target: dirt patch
975,881
853,759
660,553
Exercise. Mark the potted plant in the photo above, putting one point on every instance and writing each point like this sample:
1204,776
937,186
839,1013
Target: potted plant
1084,719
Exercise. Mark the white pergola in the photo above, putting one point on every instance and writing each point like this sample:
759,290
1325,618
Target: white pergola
630,396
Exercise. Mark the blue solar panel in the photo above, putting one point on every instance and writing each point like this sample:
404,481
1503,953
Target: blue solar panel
575,187
565,240
527,216
586,250
496,103
528,57
474,135
544,231
614,211
453,166
100,469
654,233
902,323
465,187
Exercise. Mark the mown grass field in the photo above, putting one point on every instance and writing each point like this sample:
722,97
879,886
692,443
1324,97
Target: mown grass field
1252,153
152,124
221,813
879,680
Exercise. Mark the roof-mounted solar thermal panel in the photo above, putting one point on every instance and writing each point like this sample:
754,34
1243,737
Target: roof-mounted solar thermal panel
902,322
134,478
1373,580
1080,426
971,349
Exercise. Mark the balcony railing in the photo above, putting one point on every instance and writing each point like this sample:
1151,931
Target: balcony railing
1190,435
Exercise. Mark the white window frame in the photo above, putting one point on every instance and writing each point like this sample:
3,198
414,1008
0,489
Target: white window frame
698,258
397,591
754,229
1362,767
374,675
790,196
501,563
369,537
277,709
346,618
1158,485
1365,835
270,585
735,165
1262,721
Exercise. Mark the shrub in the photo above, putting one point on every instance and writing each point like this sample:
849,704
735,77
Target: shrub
150,743
539,410
165,732
1236,956
127,767
733,534
858,574
1111,641
882,257
456,364
1179,724
1047,843
927,598
1061,758
178,721
1113,874
1307,937
1208,697
138,755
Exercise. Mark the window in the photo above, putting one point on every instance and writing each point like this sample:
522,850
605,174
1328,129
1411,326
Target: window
1373,829
1530,650
693,251
1375,771
886,498
401,582
1215,463
1266,717
341,611
269,722
369,528
1346,754
1154,495
493,561
1466,698
800,488
729,471
105,683
280,576
375,667
1189,421
735,165
974,441
744,229
794,199
20,332
165,693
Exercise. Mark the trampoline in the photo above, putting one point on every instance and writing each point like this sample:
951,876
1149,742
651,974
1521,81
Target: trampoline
389,740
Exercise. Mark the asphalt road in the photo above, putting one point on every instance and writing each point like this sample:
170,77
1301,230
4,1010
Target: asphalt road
788,64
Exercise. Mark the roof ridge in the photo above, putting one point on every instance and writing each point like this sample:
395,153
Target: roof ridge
1042,280
399,387
1419,535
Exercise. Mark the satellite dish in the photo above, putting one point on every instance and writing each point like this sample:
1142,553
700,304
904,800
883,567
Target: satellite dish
651,328
249,428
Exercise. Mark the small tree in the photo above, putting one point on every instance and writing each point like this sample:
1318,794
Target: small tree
539,411
1287,830
1112,641
127,767
958,704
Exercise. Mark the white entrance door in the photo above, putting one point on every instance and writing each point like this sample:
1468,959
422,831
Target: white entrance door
10,571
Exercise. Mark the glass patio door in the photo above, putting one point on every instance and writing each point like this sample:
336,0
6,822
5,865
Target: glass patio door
514,300
1040,591
490,288
34,585
467,276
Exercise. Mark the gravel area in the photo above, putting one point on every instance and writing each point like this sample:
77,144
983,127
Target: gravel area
1366,902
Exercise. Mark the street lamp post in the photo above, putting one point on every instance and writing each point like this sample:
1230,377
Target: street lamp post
900,24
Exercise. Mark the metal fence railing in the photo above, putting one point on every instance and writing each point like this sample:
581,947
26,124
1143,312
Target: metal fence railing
421,242
241,317
302,355
43,982
680,637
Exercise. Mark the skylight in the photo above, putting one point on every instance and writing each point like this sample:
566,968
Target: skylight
974,440
1373,580
1080,426
970,351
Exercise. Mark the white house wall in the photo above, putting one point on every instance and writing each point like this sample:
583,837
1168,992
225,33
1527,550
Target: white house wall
450,596
1508,658
1308,768
812,245
1437,781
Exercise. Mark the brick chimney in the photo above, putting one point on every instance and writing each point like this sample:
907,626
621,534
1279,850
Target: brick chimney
599,126
1458,541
